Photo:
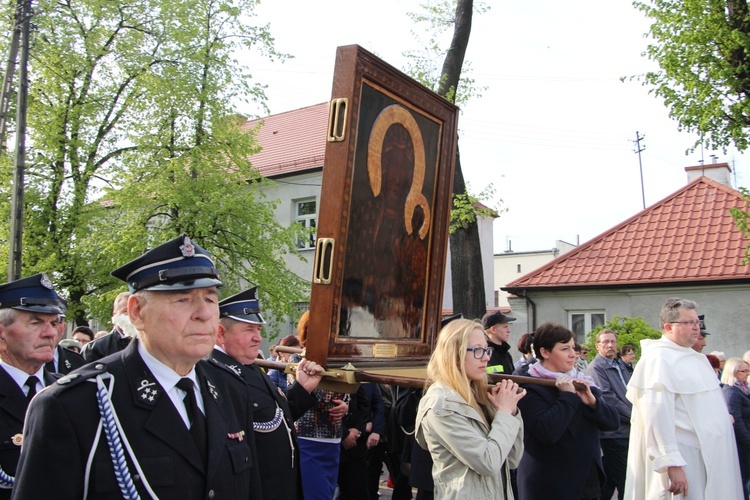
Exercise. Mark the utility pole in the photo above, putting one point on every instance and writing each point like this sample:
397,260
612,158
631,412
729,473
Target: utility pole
638,149
23,28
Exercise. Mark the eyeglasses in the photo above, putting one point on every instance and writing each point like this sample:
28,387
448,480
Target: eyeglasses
689,323
479,352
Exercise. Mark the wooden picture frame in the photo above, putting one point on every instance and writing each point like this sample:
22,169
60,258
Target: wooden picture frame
382,233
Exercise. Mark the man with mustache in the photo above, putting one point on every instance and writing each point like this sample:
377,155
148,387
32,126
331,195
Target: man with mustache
30,310
274,412
612,378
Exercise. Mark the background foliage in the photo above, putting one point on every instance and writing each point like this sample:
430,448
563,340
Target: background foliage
630,331
133,139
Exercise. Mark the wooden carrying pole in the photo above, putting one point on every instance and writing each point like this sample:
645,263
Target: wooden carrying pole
349,380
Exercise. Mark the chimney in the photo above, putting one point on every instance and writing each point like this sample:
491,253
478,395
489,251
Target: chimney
719,172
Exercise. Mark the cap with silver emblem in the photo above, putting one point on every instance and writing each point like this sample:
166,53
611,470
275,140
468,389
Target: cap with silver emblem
243,307
34,294
179,264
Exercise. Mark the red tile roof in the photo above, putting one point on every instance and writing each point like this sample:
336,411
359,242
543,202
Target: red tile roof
292,142
687,237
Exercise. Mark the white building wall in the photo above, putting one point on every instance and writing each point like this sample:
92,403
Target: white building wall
509,266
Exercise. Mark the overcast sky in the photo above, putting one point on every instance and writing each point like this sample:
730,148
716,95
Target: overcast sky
553,132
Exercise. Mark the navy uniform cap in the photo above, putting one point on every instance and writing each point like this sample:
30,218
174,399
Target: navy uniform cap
702,318
243,307
33,294
178,264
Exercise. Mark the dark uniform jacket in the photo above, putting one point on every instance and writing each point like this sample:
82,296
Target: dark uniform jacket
104,346
280,476
13,405
62,422
67,361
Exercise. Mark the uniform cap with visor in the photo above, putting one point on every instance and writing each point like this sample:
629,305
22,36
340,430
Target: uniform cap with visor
33,294
178,264
243,306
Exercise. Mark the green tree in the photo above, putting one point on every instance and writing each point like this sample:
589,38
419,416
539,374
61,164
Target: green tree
630,331
123,93
467,276
702,48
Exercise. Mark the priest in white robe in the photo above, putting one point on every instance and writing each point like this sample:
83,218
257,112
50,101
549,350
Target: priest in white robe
681,437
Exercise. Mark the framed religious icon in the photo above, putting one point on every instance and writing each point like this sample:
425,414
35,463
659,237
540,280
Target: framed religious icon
385,204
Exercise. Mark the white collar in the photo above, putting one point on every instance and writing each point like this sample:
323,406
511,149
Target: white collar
166,376
20,376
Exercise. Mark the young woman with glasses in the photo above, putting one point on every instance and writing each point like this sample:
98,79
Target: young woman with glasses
474,433
562,423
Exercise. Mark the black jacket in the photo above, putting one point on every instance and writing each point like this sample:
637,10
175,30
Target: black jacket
561,440
279,475
104,346
62,422
67,361
13,405
500,358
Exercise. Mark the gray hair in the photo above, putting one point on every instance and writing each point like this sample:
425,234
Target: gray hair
720,355
670,311
604,332
8,316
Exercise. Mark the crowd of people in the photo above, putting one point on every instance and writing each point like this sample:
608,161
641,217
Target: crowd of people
171,403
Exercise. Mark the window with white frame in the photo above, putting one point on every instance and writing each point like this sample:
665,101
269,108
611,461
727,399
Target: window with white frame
582,322
305,214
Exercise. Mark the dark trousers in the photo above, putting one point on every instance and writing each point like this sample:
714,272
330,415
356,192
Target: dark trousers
615,461
353,473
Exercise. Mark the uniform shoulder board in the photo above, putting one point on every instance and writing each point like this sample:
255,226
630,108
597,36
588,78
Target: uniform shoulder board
224,368
86,372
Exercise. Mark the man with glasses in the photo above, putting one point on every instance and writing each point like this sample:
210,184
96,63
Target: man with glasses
612,379
681,436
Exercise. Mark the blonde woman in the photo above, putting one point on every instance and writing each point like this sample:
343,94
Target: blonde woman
737,396
474,433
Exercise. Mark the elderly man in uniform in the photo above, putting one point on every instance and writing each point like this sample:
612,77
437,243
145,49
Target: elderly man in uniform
154,420
276,441
29,312
681,436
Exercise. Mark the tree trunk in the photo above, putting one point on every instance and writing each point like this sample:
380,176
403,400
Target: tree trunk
467,274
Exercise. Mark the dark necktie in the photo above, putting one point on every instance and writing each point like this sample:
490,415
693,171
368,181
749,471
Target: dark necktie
31,384
196,417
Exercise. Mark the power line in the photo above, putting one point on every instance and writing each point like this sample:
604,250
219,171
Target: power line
638,149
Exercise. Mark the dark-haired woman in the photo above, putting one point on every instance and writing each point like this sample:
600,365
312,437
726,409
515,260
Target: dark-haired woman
562,458
525,347
626,357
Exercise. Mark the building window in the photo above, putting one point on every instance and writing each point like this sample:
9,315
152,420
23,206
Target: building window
306,215
497,298
582,322
518,269
299,310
